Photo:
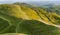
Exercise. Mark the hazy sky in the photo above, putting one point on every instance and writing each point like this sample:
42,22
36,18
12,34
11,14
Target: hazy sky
12,1
29,0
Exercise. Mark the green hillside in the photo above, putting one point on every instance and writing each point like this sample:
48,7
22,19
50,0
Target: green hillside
20,19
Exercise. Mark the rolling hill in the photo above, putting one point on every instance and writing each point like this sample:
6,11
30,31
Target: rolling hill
29,20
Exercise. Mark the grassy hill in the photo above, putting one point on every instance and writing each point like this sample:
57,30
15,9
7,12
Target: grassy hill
16,18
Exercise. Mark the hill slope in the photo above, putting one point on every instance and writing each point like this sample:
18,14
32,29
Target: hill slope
44,14
32,21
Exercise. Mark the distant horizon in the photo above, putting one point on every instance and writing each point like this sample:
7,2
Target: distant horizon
29,1
2,2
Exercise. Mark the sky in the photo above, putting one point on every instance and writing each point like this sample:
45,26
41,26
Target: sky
8,1
29,0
